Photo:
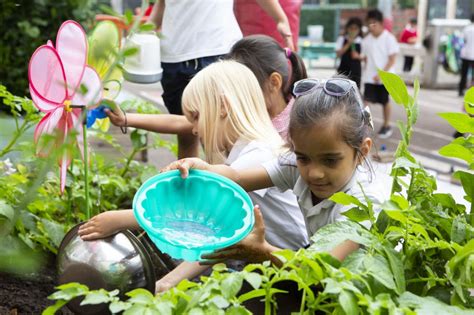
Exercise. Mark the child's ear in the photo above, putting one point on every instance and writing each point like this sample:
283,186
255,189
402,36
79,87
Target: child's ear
275,81
366,146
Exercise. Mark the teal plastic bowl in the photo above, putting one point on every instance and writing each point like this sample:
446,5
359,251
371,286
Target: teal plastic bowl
189,217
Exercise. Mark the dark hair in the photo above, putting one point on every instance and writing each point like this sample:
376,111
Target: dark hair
318,106
375,14
263,55
354,21
413,21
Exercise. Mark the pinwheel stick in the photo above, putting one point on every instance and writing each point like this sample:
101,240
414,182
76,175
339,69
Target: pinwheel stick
86,156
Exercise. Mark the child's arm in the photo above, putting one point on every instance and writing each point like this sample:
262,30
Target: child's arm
156,16
250,179
107,223
162,123
343,250
274,9
185,270
391,61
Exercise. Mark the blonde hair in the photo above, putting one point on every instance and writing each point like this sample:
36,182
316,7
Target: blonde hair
232,87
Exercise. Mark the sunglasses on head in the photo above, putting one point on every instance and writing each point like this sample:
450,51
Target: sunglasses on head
333,87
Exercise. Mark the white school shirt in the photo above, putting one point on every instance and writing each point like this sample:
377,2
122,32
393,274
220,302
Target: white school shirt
197,28
284,223
467,51
377,50
287,177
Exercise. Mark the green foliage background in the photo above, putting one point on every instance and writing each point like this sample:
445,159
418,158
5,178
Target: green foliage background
27,24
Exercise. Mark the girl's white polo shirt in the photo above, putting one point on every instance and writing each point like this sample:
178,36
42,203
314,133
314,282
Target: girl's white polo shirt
284,223
287,177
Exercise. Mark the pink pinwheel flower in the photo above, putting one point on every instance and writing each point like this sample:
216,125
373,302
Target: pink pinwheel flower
58,79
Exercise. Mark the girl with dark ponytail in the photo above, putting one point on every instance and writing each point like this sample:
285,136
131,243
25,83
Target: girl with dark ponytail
276,69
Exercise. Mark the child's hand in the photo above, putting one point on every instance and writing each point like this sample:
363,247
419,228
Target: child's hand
355,55
162,286
184,165
100,226
376,78
253,248
117,117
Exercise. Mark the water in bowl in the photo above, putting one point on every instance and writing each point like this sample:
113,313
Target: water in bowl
190,234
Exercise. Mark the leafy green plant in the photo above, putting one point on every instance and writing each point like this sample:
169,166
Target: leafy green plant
417,256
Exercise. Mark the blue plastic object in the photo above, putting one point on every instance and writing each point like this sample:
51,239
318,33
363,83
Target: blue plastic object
96,113
189,217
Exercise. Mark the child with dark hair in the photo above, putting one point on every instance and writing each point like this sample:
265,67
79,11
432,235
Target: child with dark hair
276,69
379,51
330,137
348,48
409,36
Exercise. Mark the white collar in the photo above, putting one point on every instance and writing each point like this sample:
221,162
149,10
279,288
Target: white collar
303,192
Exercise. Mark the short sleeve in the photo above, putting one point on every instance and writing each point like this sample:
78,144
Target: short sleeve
363,46
393,47
339,42
284,177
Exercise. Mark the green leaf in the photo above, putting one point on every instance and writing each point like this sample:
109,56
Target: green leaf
356,214
237,310
459,229
457,151
118,306
331,235
96,297
429,305
128,17
469,101
461,122
378,268
220,301
254,279
55,231
147,27
138,138
140,296
130,51
397,215
395,87
348,303
403,162
51,310
69,291
219,267
231,285
258,293
345,199
461,254
396,266
467,181
6,211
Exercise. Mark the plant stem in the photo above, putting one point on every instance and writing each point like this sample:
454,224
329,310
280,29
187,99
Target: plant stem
129,160
12,142
86,165
303,302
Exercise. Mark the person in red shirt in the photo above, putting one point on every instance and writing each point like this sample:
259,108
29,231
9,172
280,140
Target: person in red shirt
408,36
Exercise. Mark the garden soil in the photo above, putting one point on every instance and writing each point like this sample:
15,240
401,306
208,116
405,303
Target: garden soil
28,295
